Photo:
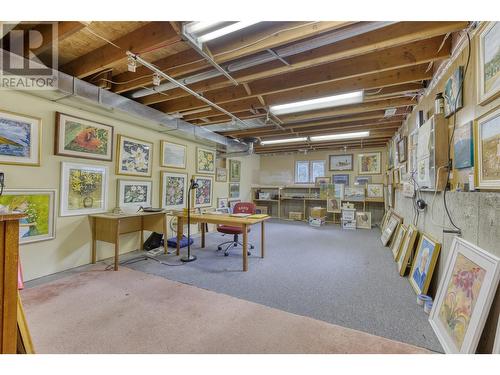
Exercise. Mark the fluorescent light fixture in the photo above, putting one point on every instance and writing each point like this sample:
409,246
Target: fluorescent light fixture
225,30
319,103
339,136
286,140
197,26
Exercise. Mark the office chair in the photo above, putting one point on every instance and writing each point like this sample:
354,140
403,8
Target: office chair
240,207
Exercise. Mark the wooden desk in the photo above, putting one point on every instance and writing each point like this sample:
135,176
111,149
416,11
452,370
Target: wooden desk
108,227
9,258
243,222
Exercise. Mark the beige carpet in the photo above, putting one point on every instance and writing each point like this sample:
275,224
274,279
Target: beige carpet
133,312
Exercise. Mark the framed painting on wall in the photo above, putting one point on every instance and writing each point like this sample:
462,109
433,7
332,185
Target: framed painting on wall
402,149
355,194
463,146
488,79
364,220
341,179
173,190
321,181
424,263
205,160
221,174
173,155
203,194
339,191
375,191
39,207
234,170
369,163
464,297
487,158
83,189
20,139
134,157
333,205
133,194
453,95
407,248
341,162
81,138
234,190
362,180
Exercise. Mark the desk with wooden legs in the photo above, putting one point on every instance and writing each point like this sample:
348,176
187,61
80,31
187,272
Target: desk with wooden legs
243,222
109,227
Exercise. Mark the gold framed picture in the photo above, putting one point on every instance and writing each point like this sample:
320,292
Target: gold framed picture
407,249
173,155
369,163
487,171
424,263
488,79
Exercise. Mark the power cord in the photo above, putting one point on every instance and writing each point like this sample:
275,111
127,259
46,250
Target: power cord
457,230
140,258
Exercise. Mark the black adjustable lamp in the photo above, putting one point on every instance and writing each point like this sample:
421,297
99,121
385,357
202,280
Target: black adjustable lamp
192,186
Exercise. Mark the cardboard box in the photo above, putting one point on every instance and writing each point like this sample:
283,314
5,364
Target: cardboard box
261,210
295,215
318,212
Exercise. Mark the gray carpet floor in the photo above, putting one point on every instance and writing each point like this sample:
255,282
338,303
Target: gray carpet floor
342,277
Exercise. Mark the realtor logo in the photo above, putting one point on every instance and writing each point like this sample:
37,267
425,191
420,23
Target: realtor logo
28,55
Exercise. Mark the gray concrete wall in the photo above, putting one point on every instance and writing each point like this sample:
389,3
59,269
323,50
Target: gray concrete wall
478,215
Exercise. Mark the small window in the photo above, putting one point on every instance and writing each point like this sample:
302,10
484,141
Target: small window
306,171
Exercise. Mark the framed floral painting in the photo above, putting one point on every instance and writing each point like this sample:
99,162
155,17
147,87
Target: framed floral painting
369,163
234,190
173,155
424,263
205,160
135,157
20,139
203,194
133,194
83,189
464,297
39,207
173,190
487,157
488,56
221,174
234,170
375,191
82,138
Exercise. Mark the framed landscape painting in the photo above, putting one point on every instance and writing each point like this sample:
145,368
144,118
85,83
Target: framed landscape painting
453,95
464,297
488,59
341,162
234,170
221,174
203,195
173,155
424,263
488,151
369,163
133,194
39,207
463,146
20,139
135,157
173,190
234,190
83,189
82,138
205,160
355,193
341,179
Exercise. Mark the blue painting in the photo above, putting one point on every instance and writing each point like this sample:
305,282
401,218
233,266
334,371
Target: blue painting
15,138
341,179
463,147
422,263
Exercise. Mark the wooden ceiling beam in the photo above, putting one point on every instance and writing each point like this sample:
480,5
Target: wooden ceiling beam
151,35
190,61
380,61
64,30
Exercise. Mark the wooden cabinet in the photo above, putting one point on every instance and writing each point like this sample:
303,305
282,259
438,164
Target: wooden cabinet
9,258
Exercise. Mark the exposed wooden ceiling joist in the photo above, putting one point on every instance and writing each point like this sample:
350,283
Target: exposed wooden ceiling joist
153,34
64,30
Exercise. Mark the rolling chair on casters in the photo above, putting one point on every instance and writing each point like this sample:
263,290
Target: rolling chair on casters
241,207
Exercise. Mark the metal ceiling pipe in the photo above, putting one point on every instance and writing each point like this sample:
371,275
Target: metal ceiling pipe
266,56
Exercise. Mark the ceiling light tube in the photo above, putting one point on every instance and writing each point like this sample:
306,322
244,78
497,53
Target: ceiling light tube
319,103
197,26
286,140
331,137
225,30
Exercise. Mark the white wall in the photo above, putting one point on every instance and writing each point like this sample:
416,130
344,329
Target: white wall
71,247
